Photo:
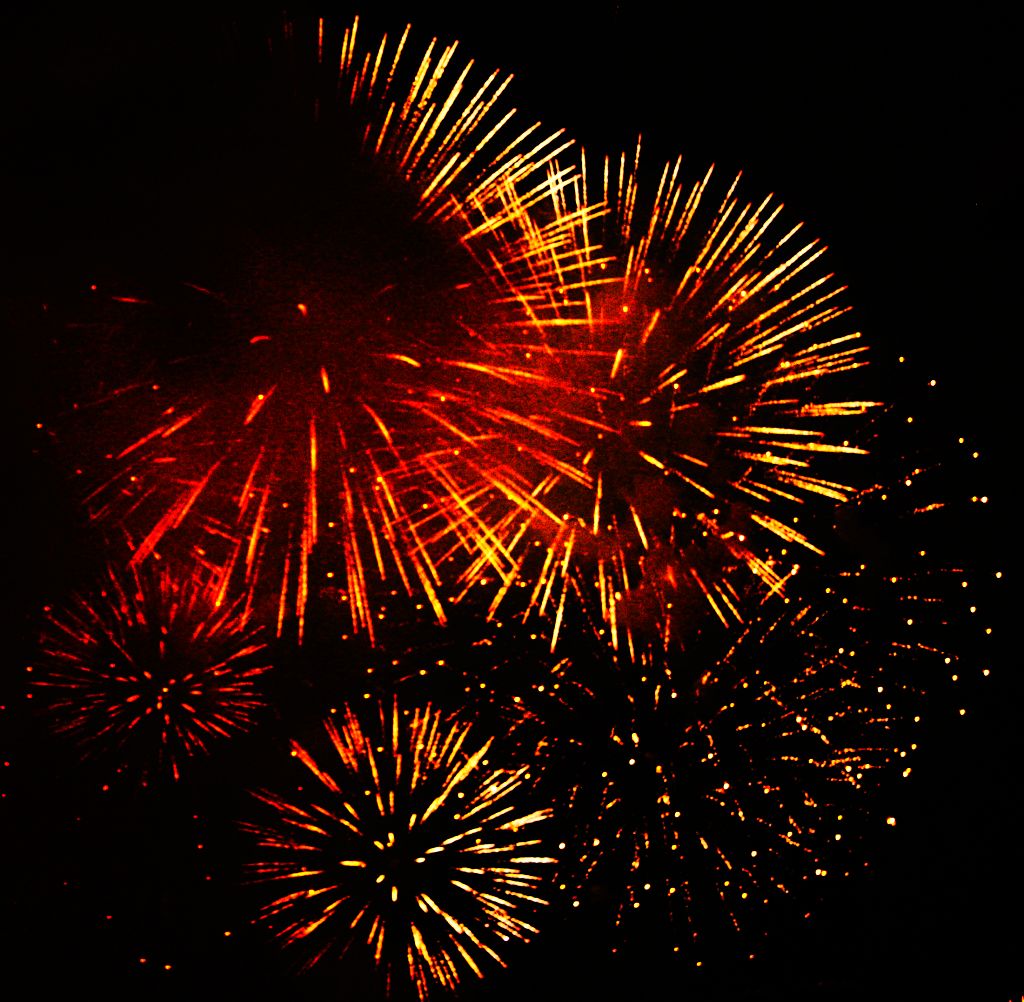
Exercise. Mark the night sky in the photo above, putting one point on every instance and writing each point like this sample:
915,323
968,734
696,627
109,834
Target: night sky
889,136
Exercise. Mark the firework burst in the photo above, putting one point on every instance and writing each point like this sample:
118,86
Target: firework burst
346,270
676,415
719,789
409,842
151,669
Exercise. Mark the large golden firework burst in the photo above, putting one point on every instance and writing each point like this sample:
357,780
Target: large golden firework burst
681,414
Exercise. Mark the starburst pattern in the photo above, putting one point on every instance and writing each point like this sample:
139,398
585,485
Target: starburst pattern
151,669
305,456
412,842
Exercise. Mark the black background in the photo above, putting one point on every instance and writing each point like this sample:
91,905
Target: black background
890,134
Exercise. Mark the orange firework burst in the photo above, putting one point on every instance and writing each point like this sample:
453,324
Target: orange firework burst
151,669
720,792
674,416
412,843
302,451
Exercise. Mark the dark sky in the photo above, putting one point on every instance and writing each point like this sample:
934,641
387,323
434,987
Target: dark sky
889,134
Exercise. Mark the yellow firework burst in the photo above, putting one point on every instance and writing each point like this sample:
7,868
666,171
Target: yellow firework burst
409,841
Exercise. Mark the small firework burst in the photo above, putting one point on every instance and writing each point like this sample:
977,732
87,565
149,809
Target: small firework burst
682,419
151,669
410,842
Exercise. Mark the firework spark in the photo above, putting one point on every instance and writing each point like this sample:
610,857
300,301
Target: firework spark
453,149
151,669
410,842
727,780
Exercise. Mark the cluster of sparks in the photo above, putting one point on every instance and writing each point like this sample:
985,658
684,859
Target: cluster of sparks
411,842
713,794
588,414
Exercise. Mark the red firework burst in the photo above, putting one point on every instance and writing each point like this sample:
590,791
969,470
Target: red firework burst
304,451
151,669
